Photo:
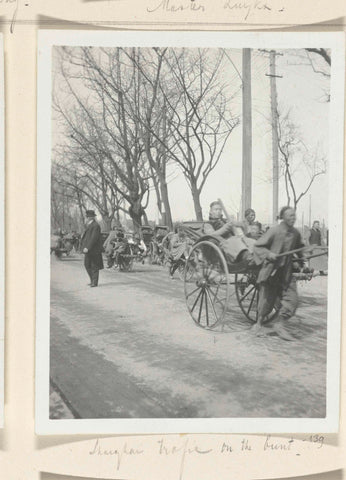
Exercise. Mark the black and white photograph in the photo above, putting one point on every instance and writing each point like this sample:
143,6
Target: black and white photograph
189,232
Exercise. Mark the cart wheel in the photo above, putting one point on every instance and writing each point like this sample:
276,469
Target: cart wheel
206,284
126,264
247,291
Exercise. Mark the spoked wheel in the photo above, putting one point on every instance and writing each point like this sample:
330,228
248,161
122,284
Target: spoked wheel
68,246
206,285
126,260
247,293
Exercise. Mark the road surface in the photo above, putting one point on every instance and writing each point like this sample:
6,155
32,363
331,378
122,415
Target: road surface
129,349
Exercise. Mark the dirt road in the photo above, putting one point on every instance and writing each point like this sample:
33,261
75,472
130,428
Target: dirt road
129,349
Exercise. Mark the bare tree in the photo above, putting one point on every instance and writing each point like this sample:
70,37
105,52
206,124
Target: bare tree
128,112
296,159
89,186
201,119
188,119
100,130
153,120
322,53
319,60
64,211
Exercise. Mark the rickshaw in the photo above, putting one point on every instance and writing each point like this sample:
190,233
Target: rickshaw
211,279
146,233
125,258
129,252
60,244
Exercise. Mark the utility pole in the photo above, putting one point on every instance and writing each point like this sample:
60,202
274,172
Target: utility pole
275,139
246,192
310,211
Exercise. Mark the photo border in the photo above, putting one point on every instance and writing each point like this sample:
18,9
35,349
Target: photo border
2,232
48,39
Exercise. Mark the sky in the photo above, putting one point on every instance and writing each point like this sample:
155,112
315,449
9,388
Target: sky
300,90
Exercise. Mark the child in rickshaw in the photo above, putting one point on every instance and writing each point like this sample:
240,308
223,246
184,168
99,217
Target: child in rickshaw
252,228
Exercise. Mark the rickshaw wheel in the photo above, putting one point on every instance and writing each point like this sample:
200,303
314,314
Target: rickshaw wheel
206,285
58,254
126,264
247,292
126,260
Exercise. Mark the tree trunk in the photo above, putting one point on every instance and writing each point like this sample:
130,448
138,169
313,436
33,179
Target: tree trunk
145,218
196,202
81,208
165,199
106,223
157,190
136,213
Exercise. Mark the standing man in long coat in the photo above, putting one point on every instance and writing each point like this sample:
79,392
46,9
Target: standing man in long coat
275,278
92,248
319,263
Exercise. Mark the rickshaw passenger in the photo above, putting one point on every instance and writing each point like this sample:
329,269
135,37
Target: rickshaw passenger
119,246
232,240
254,231
138,241
109,246
178,250
252,228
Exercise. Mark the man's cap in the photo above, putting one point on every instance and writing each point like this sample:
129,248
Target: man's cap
216,202
90,213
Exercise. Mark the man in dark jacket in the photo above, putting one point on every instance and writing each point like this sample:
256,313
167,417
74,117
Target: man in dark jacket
275,278
91,243
315,237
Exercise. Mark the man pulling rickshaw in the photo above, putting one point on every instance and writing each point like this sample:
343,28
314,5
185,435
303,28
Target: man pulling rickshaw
275,278
263,271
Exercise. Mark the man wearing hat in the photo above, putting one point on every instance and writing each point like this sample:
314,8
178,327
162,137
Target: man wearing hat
92,248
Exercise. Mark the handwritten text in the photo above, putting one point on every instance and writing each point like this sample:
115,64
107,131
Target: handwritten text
171,6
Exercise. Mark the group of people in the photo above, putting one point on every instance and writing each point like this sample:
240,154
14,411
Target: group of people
117,244
268,250
180,243
240,241
246,242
